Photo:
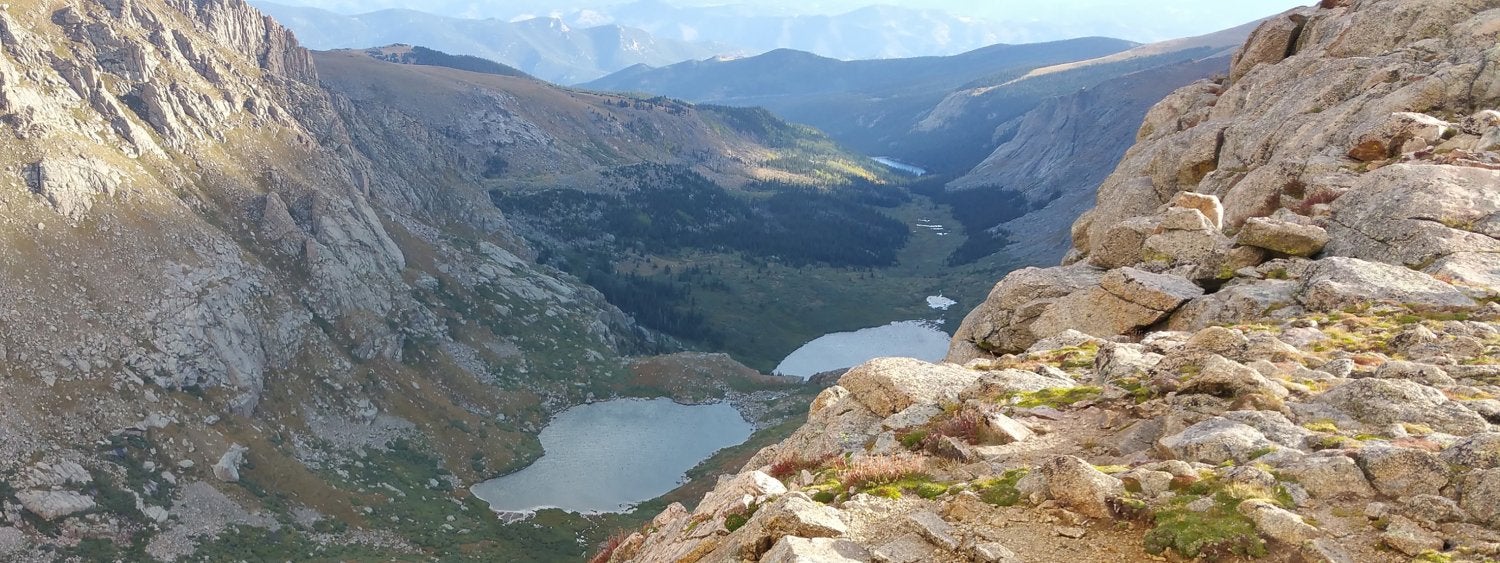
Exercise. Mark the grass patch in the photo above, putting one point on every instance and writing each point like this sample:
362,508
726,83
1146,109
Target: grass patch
919,485
873,471
1322,426
1072,357
1220,532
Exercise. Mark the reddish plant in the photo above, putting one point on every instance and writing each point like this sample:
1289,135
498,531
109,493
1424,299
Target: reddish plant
1318,196
870,471
964,425
607,549
787,466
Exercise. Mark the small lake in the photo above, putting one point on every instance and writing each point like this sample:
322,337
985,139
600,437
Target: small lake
902,166
605,457
923,340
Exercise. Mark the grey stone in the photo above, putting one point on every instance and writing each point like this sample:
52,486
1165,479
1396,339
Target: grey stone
1401,472
994,552
792,549
1278,523
1215,441
937,531
1333,284
998,429
1080,487
1330,477
52,505
910,548
1407,537
1378,403
1283,237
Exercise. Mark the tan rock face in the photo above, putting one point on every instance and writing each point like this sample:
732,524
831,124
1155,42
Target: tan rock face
1079,486
889,385
1335,283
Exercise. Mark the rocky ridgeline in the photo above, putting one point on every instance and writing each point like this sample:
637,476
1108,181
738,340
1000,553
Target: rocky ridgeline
1277,336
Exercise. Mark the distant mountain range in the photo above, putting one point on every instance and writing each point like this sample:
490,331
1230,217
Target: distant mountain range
547,48
870,105
580,45
1018,135
871,32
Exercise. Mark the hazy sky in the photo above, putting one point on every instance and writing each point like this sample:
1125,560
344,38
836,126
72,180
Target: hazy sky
1140,20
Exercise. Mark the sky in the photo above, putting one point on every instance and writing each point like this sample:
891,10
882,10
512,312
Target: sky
1138,20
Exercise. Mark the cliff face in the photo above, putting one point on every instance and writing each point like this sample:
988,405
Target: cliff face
1274,336
1057,155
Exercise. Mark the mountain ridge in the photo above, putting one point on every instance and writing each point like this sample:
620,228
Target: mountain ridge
544,47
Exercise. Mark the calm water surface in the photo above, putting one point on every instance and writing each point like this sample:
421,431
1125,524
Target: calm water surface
922,340
607,456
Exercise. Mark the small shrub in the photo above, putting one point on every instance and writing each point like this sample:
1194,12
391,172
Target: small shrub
607,549
964,425
914,439
738,520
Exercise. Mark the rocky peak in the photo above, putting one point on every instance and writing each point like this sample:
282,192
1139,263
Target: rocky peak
1273,337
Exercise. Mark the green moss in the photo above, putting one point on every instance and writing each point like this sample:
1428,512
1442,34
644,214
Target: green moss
1055,398
919,485
1262,452
931,490
1334,443
1431,556
1111,469
1417,429
1001,491
1322,426
888,491
1137,389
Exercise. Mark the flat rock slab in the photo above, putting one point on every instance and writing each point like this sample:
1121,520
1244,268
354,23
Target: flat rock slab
792,549
910,548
